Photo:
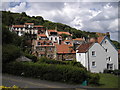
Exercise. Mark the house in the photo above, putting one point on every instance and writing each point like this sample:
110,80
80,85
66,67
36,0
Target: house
98,56
28,28
78,41
65,52
53,36
68,35
43,48
111,52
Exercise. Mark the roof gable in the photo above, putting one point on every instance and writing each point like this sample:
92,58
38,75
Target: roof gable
109,41
84,47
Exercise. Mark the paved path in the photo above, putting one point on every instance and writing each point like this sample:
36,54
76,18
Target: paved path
23,82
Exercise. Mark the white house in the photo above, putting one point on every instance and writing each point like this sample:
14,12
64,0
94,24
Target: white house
53,35
111,52
98,56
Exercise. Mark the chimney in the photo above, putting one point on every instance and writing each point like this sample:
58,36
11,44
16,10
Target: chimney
108,34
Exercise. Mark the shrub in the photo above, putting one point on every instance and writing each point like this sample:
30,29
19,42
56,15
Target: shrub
30,56
63,73
51,61
93,78
116,72
10,53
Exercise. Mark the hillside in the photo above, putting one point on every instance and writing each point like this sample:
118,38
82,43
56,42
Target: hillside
9,18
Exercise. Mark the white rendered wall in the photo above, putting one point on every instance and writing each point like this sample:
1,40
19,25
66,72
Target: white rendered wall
111,52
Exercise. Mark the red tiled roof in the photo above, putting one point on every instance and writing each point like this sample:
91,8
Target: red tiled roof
64,33
68,40
42,35
64,49
84,47
29,23
17,25
46,45
48,41
52,30
38,26
99,39
80,39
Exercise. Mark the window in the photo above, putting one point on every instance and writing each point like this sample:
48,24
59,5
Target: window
93,64
55,38
67,43
40,49
106,50
110,66
51,38
38,43
50,49
109,58
93,53
105,41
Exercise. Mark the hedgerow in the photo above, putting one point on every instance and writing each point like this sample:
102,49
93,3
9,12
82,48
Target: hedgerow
62,73
51,61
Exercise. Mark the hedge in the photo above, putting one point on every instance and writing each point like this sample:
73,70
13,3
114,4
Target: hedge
62,73
51,61
115,72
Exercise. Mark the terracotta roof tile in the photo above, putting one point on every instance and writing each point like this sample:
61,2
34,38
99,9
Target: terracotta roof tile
64,49
99,39
84,47
38,26
80,39
17,25
64,33
52,30
42,35
29,23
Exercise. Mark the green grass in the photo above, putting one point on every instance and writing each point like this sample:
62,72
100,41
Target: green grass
108,81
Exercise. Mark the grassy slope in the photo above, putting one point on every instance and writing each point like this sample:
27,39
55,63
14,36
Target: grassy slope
108,81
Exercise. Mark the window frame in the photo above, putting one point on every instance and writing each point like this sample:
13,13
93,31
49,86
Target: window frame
94,64
94,53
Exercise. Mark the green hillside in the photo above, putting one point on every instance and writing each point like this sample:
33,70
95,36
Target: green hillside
9,18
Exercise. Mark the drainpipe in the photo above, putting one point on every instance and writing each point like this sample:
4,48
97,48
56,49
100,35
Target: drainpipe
88,62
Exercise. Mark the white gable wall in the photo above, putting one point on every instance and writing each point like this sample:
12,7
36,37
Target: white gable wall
81,57
99,58
111,52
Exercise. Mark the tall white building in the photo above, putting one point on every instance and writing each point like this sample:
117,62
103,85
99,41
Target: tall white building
98,56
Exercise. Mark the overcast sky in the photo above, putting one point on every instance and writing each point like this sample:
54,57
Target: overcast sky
86,16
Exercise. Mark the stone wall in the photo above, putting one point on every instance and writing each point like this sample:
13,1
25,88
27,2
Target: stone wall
66,56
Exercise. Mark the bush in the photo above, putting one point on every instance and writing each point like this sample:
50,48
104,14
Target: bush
10,53
51,61
63,73
115,72
30,56
93,78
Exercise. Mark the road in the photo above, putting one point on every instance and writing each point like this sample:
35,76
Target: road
23,82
